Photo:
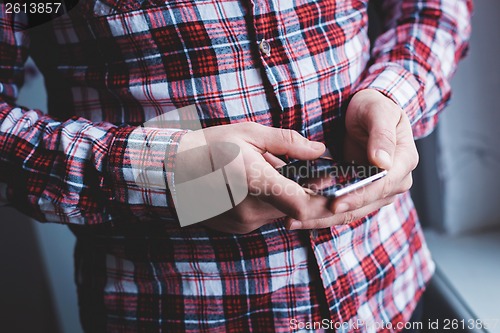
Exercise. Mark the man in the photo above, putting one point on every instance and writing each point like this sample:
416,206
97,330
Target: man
274,78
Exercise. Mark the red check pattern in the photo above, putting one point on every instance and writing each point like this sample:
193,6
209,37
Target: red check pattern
112,65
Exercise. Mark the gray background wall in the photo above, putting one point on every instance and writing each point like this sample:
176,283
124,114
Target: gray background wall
37,293
56,242
469,136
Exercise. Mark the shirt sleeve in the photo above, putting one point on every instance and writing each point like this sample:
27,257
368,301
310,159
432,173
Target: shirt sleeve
416,55
74,171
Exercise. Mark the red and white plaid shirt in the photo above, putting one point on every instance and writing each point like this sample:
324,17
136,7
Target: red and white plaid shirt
111,65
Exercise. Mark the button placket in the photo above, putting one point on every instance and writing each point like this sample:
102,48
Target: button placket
261,27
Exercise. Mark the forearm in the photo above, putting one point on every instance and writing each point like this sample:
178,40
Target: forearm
78,172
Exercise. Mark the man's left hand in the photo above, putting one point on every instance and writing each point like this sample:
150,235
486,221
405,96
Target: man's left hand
379,133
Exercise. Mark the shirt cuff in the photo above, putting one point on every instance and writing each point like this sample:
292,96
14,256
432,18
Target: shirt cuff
140,166
398,84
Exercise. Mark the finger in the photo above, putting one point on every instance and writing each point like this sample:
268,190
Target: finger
252,209
273,160
406,144
286,195
382,137
247,216
288,142
398,180
338,219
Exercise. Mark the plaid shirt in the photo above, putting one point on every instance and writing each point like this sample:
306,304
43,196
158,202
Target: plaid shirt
111,65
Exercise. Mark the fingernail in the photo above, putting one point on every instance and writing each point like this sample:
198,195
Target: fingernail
316,145
295,225
341,208
384,158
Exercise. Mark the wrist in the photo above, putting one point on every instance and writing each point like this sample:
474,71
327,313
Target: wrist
370,102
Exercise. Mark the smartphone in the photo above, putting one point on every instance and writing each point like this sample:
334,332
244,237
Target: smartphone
329,178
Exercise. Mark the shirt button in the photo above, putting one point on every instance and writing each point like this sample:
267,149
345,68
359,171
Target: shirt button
264,47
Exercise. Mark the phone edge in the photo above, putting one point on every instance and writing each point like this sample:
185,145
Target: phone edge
362,183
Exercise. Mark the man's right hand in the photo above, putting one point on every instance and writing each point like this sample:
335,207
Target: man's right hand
271,195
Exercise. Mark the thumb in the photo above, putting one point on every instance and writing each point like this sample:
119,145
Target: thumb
278,141
382,143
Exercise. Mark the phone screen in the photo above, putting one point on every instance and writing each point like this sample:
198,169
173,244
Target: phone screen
330,178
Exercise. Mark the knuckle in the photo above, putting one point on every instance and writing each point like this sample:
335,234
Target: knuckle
238,217
381,104
361,200
244,225
348,218
388,201
407,183
245,221
249,127
242,216
299,213
357,200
